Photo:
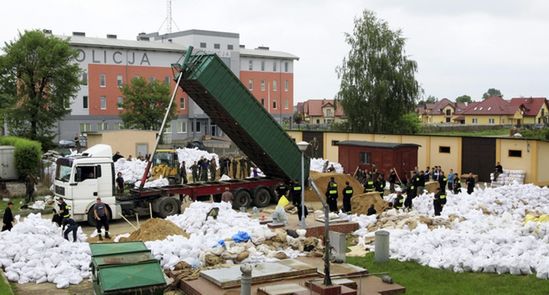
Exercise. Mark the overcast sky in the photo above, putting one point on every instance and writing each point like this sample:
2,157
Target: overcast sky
461,46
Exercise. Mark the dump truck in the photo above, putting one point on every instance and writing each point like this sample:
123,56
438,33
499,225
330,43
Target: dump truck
211,84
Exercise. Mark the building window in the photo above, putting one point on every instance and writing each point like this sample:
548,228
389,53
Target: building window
182,103
364,158
286,105
286,66
262,65
119,80
286,85
85,101
102,126
85,79
102,80
274,66
250,85
515,153
217,46
444,149
475,120
167,80
263,102
202,44
448,112
85,127
335,142
274,103
491,121
251,65
197,126
103,102
182,127
230,47
262,85
274,85
119,102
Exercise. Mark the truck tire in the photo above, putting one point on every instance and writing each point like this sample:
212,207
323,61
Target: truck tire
262,197
242,198
91,216
167,206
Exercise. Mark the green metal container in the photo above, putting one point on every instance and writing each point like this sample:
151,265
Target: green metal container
137,278
99,262
214,87
101,249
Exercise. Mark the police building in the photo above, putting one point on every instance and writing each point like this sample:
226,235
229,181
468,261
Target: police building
108,63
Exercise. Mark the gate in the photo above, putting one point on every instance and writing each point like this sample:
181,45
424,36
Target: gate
478,156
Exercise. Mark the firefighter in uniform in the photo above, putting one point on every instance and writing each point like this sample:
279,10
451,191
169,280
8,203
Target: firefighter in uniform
379,184
296,193
437,202
331,195
399,200
369,183
347,195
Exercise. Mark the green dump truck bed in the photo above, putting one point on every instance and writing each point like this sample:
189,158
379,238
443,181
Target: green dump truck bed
213,86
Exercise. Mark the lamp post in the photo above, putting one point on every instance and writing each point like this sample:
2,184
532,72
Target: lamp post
303,147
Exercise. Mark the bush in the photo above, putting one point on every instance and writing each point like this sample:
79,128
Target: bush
27,154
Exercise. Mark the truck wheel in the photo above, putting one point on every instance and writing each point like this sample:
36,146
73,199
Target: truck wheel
262,197
168,206
242,198
91,217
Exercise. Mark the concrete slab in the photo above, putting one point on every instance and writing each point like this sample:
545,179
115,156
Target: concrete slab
336,269
230,276
286,289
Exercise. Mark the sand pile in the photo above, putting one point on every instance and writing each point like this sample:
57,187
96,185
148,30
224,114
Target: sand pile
156,229
361,202
322,179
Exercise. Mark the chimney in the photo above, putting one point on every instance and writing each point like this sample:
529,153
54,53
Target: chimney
79,34
111,36
242,46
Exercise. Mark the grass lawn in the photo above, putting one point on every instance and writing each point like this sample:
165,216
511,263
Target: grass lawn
15,209
5,288
419,279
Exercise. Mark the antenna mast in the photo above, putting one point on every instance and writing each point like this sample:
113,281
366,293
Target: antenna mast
169,17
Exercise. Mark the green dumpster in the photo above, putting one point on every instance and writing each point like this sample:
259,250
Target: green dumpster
138,278
102,249
119,259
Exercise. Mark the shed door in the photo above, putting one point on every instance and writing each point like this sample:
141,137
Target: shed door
478,156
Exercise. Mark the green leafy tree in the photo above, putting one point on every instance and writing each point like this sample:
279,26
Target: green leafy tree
377,78
429,99
491,92
145,104
298,117
38,78
464,99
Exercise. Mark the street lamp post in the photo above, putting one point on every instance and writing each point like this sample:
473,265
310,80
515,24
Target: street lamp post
303,147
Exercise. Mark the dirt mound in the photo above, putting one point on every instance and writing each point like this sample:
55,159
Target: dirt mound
322,179
156,229
360,203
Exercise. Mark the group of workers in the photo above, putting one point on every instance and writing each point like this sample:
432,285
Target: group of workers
204,169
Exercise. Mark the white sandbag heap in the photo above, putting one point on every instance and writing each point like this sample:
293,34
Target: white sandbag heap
132,171
153,183
508,177
206,234
191,155
318,163
35,251
490,237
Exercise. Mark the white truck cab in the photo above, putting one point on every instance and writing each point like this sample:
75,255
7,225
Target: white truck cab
80,179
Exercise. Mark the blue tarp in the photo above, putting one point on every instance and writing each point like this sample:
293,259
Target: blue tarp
241,236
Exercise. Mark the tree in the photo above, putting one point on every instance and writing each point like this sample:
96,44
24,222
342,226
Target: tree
464,99
298,117
492,92
145,104
429,99
377,78
38,77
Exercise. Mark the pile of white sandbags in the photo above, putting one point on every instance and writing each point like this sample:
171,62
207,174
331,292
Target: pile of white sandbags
35,251
132,171
193,155
317,164
488,235
508,177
